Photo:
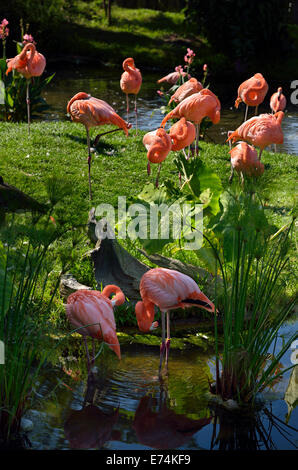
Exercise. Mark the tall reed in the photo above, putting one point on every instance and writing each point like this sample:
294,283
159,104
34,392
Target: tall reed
24,315
254,268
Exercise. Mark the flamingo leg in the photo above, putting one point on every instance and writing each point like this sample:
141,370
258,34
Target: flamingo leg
127,106
136,113
246,113
148,169
28,103
168,340
197,138
104,133
89,163
231,175
163,340
260,154
93,352
87,354
256,112
157,177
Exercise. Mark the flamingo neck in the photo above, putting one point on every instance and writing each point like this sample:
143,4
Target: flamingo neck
144,315
119,298
128,65
29,47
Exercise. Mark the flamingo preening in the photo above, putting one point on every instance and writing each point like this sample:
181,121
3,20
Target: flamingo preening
158,145
194,108
168,289
244,159
260,131
91,312
278,101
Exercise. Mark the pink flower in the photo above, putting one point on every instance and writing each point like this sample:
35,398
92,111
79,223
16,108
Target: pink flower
28,38
160,93
179,69
205,67
4,31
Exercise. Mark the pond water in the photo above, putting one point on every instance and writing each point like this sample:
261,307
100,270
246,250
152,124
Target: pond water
103,83
127,407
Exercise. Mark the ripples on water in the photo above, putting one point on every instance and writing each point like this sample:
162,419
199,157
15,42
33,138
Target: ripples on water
105,85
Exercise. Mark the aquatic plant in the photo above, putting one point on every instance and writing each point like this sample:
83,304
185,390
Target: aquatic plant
254,267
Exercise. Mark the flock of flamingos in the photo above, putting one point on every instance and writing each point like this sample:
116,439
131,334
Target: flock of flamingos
91,311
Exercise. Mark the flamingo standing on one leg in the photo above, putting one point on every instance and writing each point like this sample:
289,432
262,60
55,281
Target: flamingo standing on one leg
93,112
168,289
260,131
93,310
195,108
252,92
130,83
244,159
158,144
28,63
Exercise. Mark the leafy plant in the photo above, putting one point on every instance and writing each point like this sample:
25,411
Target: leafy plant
254,266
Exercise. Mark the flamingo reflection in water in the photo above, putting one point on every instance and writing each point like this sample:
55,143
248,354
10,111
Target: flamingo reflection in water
164,429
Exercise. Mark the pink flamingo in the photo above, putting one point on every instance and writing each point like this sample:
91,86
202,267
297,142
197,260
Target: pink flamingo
28,63
186,89
252,92
93,310
93,112
168,289
195,107
182,133
173,77
278,101
130,83
260,131
158,145
244,159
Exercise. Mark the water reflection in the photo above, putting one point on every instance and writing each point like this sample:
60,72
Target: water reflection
159,427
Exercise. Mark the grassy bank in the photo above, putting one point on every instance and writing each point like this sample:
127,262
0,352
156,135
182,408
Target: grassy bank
118,169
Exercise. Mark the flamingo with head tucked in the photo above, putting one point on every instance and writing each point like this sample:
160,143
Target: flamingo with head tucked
91,312
244,159
195,107
130,83
173,77
158,145
28,63
260,131
186,89
168,289
93,112
252,92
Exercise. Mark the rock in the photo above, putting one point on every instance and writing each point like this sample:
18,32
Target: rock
69,284
26,424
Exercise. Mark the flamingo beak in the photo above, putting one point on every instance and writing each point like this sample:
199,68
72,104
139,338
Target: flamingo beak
153,326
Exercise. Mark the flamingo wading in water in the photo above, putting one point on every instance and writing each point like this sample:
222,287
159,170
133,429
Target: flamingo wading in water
92,313
28,63
168,289
260,131
158,145
194,108
93,112
252,92
130,83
